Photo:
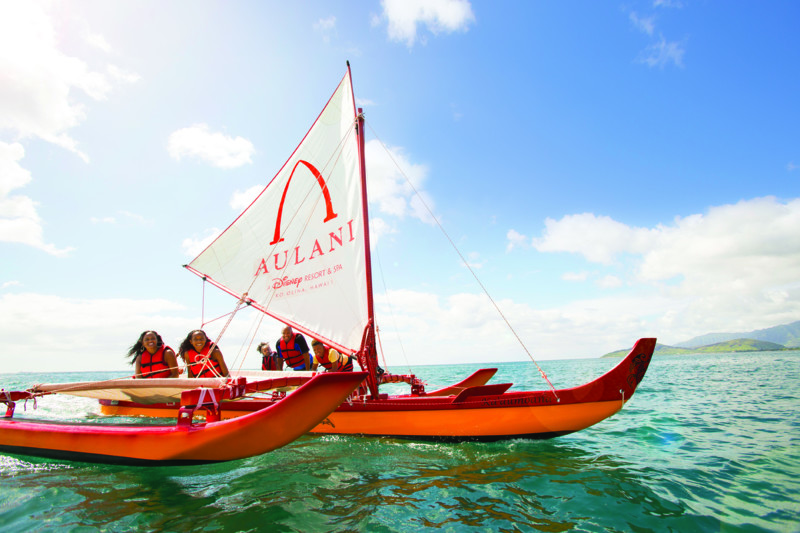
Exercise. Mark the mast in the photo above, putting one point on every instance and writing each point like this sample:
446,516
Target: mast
368,350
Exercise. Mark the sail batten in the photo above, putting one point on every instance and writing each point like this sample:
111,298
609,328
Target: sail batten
298,250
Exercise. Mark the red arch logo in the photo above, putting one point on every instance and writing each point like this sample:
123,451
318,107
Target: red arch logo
329,214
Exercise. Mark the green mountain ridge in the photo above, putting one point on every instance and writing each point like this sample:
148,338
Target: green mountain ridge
783,337
735,345
787,335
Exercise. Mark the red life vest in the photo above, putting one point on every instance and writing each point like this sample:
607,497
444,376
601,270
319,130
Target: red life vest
199,366
348,366
271,361
155,365
292,354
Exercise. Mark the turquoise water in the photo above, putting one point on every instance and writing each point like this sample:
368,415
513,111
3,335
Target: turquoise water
708,443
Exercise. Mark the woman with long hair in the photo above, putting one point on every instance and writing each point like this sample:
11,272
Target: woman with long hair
152,358
203,358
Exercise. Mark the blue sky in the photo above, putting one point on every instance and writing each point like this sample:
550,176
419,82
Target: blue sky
609,170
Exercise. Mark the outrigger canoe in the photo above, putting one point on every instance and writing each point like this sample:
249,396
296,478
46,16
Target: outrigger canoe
187,441
301,253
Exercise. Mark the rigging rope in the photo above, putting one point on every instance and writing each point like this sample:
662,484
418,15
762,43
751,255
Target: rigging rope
391,313
463,260
252,336
215,344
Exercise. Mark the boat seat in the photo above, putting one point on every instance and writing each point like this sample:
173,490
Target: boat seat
483,390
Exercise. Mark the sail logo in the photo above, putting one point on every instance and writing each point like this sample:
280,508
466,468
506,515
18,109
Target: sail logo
321,245
329,214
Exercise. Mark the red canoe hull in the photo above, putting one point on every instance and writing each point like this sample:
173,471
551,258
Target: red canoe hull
477,412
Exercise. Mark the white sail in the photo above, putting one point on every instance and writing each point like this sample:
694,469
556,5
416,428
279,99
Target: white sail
298,250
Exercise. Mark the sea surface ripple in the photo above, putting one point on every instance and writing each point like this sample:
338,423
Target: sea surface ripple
708,443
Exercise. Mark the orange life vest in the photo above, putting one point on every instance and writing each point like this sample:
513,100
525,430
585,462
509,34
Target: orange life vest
155,365
199,366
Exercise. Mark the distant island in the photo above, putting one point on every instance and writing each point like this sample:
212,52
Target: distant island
778,338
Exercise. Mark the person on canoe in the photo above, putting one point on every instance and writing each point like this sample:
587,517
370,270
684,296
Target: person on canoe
293,348
203,358
269,360
152,358
330,359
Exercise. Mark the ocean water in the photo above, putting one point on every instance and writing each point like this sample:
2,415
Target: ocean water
708,443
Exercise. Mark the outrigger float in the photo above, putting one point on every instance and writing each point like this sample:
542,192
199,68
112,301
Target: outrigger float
188,441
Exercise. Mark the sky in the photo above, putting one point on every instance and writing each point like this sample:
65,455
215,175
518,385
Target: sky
608,170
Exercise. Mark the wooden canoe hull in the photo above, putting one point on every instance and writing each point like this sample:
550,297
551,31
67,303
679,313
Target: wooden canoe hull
478,412
252,434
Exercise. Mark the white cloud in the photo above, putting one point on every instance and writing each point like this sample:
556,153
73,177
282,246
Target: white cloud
119,74
19,219
363,102
392,189
438,16
734,267
474,260
38,81
74,334
762,227
643,24
609,282
98,41
468,324
242,199
606,282
216,148
575,276
37,99
662,53
515,240
668,3
378,227
325,24
138,219
748,246
326,28
598,238
12,176
192,246
67,334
